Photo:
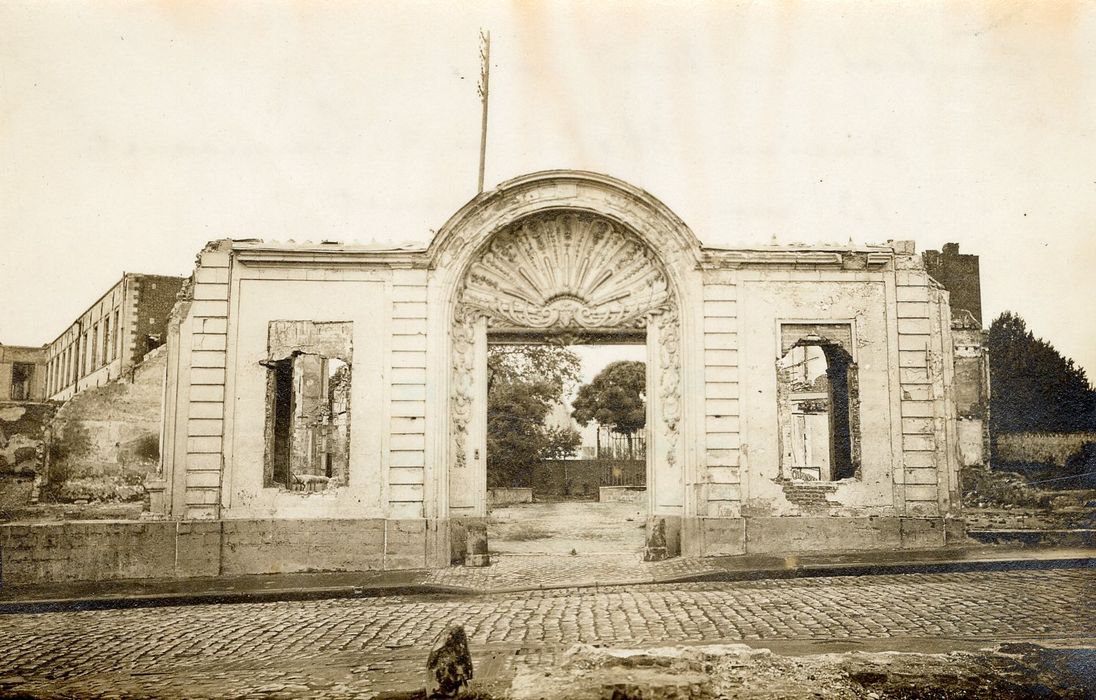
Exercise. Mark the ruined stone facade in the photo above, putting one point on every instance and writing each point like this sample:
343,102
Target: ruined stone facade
800,397
112,336
959,274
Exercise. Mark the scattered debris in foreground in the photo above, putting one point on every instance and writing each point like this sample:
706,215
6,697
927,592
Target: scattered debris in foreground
1006,672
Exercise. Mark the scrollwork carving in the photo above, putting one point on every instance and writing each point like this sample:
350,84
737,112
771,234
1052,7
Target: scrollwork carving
460,402
670,378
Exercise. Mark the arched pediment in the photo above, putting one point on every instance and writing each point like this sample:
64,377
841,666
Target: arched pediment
565,270
464,234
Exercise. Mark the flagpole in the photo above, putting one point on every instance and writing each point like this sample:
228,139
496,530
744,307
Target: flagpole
484,90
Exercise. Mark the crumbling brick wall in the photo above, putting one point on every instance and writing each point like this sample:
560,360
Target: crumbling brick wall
156,295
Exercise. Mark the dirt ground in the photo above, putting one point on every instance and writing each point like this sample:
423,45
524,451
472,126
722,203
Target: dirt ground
560,528
1005,672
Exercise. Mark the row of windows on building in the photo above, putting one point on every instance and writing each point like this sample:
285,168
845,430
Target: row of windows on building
90,350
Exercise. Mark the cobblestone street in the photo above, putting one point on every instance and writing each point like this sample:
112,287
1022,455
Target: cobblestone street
356,648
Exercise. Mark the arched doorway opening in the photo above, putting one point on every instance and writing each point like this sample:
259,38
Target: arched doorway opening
566,447
565,276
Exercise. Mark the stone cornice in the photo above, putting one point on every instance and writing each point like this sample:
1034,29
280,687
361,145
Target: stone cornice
327,255
805,257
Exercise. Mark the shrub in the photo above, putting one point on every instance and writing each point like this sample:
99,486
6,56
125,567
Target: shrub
994,489
147,448
103,490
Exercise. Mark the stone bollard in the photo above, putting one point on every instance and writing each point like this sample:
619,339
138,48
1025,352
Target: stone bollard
477,546
656,543
449,667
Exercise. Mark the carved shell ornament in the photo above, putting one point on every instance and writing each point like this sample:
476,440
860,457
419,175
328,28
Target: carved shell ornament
566,271
561,272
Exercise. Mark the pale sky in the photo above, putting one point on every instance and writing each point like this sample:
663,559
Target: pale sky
133,132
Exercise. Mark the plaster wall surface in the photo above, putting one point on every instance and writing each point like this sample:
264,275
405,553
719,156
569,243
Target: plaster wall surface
858,299
261,297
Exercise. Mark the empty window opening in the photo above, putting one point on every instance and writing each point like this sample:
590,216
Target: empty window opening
117,335
818,404
308,406
22,374
106,340
94,347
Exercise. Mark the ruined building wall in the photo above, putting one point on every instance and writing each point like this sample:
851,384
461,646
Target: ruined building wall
902,416
112,335
959,274
250,309
879,317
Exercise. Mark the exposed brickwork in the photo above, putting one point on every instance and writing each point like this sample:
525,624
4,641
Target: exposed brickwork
959,274
154,296
811,497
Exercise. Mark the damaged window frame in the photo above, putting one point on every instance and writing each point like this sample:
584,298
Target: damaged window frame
22,381
841,403
308,405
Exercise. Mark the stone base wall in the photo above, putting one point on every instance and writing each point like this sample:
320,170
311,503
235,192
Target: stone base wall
97,551
801,535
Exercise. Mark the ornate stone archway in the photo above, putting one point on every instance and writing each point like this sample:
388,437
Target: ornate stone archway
564,274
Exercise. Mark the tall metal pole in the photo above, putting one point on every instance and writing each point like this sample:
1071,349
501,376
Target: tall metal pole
484,90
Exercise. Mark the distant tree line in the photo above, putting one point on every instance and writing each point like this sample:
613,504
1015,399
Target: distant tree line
1032,387
526,382
616,399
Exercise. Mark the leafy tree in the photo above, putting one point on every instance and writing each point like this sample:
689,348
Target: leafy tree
615,398
558,368
524,383
1034,388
